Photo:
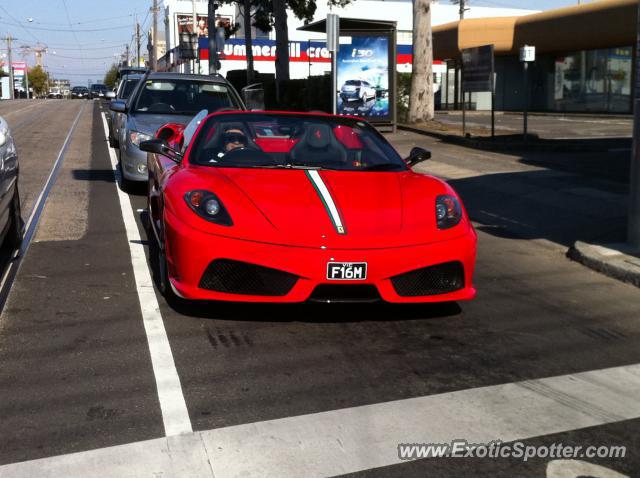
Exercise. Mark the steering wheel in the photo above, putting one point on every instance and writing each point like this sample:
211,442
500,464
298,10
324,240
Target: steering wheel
160,108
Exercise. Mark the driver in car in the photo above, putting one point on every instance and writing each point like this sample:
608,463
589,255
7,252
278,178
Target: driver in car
234,138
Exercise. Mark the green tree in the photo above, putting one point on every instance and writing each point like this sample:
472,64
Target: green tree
267,14
38,80
111,77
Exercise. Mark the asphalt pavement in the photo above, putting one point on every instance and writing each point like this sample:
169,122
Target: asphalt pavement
99,375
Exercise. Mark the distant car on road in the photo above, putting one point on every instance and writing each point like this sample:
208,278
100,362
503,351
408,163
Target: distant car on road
125,87
161,98
266,206
56,93
11,225
79,92
357,90
98,91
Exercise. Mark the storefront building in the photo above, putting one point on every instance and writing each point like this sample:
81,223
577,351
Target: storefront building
584,57
308,53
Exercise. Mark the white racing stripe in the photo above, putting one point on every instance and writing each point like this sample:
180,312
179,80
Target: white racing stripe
327,199
172,404
361,438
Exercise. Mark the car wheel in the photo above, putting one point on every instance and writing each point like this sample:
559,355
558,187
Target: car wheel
125,184
163,275
13,239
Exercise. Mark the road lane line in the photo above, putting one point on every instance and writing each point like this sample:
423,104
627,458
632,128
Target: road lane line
172,403
34,218
361,438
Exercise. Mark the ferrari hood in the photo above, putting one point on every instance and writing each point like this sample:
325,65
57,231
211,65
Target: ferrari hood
336,209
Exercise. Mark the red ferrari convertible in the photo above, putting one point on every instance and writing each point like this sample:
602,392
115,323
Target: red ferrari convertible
290,207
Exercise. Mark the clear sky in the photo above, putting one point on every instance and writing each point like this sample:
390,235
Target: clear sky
84,37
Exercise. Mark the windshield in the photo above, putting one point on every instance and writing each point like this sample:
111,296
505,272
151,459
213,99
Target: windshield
293,141
186,97
98,87
127,87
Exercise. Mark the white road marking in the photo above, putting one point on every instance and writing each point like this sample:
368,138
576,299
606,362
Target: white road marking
361,438
174,409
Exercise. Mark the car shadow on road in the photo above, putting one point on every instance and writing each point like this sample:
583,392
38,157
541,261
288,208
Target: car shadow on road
314,312
545,204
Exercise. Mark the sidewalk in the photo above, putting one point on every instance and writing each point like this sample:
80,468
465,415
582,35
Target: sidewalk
619,261
545,132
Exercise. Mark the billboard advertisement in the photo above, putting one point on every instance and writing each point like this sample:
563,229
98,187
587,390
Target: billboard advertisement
363,76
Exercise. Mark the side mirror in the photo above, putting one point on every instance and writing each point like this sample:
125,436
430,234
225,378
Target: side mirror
119,106
160,146
110,95
253,96
418,155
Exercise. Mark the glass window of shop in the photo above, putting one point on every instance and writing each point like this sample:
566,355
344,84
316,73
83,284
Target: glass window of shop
594,80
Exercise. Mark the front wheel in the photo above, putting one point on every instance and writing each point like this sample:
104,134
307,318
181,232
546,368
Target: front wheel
164,284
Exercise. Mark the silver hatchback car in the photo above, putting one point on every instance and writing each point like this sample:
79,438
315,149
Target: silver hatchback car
161,98
11,225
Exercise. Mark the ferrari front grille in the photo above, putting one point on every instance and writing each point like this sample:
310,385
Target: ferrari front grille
432,280
235,277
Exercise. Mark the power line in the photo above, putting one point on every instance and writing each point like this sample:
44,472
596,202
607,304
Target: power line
97,20
65,30
14,19
66,11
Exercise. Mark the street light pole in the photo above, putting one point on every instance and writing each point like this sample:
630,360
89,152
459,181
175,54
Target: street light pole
154,47
211,25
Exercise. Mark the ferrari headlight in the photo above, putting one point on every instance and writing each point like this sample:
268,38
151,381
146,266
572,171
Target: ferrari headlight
448,211
207,205
137,137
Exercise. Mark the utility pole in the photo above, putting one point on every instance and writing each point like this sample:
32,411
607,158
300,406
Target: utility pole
11,81
211,25
137,43
126,55
196,60
463,7
154,48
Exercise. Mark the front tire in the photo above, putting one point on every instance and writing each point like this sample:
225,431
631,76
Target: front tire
164,284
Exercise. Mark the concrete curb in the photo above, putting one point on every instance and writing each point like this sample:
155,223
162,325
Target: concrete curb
615,260
548,145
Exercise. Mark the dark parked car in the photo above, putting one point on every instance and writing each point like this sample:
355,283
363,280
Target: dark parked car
79,92
98,91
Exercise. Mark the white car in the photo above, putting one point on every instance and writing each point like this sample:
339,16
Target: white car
357,90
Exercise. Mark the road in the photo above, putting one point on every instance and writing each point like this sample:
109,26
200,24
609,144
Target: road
99,375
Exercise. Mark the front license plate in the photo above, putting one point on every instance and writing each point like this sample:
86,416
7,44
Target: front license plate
346,270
